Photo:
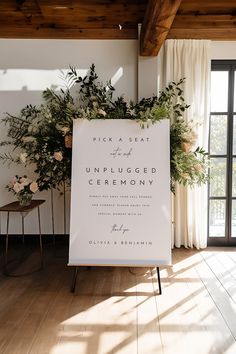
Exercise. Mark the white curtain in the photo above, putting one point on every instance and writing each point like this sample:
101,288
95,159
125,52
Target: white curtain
190,59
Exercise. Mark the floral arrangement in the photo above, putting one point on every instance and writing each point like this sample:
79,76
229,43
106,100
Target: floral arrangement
188,164
43,135
23,188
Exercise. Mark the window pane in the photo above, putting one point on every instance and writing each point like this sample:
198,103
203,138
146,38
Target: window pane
234,178
233,218
218,135
218,177
234,137
217,218
219,91
235,91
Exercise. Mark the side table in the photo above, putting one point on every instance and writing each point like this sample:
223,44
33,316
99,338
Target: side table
15,207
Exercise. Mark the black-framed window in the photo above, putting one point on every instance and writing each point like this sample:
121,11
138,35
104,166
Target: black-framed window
222,149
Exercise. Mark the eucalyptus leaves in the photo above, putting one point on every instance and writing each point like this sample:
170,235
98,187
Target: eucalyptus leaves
43,135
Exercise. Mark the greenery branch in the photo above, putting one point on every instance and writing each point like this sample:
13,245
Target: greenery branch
43,134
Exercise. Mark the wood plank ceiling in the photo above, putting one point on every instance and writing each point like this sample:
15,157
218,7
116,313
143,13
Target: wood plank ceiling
119,19
72,19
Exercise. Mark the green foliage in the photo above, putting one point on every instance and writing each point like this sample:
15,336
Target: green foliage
42,135
189,165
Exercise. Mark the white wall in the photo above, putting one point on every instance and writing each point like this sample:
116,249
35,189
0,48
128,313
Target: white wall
149,73
29,66
223,50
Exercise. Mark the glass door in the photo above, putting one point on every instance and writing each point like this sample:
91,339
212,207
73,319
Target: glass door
222,149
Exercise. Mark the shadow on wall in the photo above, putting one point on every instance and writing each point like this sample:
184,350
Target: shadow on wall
18,88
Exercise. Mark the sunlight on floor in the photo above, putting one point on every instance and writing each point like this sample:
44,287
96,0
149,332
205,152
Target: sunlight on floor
185,315
195,315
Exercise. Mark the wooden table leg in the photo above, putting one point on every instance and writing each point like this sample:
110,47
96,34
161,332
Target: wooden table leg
40,238
7,239
23,229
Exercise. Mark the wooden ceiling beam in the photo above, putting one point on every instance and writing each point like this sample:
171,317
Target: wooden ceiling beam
157,22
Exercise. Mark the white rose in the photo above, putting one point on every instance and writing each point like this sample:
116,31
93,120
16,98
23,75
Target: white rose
25,181
198,167
102,112
12,182
34,187
132,112
65,130
18,187
190,137
23,157
58,155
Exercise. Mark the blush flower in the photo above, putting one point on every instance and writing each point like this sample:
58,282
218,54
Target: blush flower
190,137
186,147
34,187
185,175
58,155
24,181
198,167
65,130
62,129
102,112
18,187
23,188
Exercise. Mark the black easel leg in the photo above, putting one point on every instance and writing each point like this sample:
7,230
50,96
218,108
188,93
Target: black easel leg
73,285
159,280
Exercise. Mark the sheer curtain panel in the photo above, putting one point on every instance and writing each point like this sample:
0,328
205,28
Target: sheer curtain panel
190,59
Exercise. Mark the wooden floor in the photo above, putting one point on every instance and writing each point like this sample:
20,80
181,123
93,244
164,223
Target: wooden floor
114,310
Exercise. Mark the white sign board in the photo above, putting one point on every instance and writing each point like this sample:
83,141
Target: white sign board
120,198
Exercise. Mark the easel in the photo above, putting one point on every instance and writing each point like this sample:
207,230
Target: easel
74,279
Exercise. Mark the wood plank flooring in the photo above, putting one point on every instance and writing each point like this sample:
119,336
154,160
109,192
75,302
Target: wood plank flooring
116,311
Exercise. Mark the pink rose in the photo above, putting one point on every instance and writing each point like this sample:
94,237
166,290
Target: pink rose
198,167
34,187
58,155
186,147
18,187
